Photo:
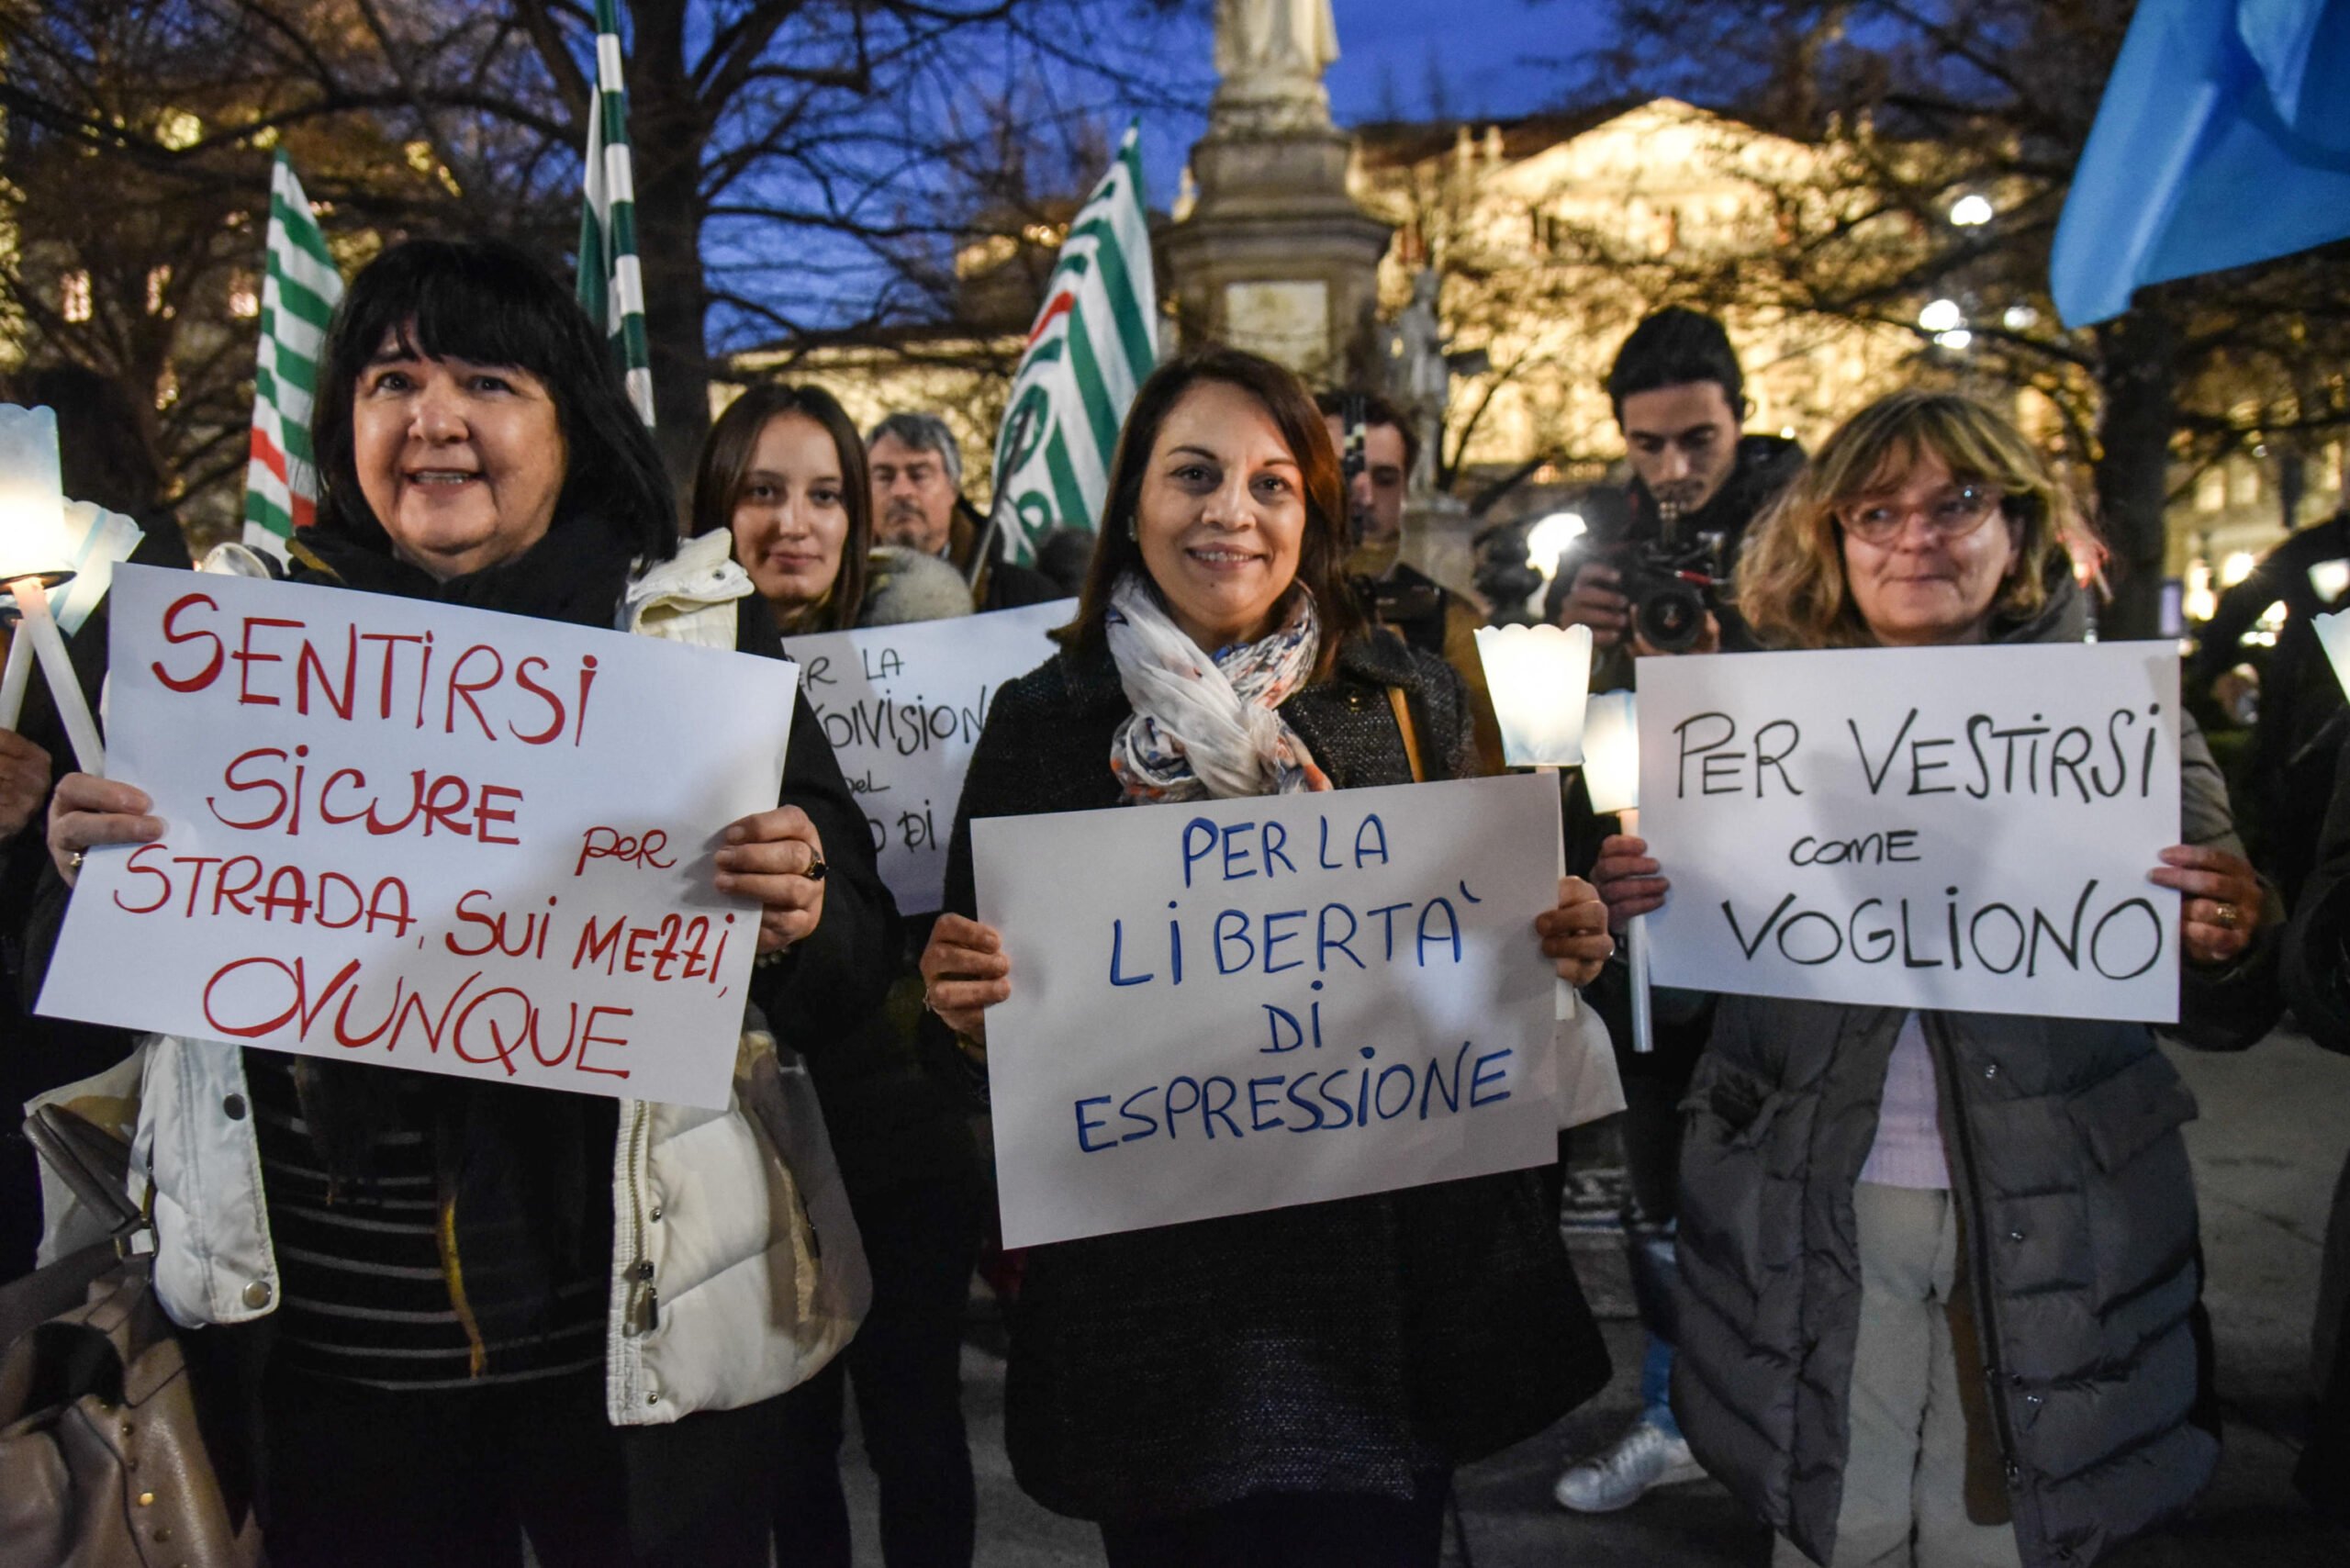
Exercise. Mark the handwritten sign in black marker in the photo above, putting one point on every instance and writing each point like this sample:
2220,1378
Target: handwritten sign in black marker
1960,828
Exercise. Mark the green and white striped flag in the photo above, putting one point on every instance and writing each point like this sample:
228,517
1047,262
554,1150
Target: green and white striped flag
612,287
1093,341
297,294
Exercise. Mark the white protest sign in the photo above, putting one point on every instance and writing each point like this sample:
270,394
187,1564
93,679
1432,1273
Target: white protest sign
421,836
903,707
1967,829
1219,1007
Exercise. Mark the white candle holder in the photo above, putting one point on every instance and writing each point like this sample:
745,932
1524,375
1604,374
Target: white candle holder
1538,678
35,556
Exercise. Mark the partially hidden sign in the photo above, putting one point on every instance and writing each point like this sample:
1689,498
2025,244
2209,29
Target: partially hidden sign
903,707
1220,1007
419,836
1968,828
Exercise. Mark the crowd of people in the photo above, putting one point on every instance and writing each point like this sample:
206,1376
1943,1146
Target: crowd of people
1916,1286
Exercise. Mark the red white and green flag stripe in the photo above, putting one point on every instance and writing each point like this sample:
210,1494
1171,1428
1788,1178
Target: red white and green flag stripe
297,294
612,287
1092,343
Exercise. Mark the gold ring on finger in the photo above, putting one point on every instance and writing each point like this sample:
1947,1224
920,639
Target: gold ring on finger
2228,916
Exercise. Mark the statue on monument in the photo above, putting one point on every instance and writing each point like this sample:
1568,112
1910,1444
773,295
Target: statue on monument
1420,374
1271,55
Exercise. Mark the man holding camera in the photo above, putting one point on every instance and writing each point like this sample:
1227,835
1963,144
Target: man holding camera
1646,579
1378,448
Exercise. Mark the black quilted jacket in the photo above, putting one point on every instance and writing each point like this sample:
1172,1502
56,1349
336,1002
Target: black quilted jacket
1338,1347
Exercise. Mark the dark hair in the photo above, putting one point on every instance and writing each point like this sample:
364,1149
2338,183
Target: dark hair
105,443
726,462
1377,410
1321,565
486,302
1673,348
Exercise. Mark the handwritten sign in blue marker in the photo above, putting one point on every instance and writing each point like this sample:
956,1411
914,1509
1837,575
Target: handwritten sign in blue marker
1225,1006
1966,828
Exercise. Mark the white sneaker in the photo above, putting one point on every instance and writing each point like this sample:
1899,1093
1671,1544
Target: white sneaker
1642,1458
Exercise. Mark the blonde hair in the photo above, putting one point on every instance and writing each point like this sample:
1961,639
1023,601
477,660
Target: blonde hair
1790,583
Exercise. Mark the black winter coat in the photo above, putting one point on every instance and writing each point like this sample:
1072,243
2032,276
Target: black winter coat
2078,1210
2317,985
1351,1345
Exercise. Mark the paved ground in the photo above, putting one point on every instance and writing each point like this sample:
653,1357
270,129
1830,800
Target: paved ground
2275,1129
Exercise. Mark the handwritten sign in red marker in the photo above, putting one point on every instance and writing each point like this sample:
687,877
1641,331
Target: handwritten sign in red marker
421,837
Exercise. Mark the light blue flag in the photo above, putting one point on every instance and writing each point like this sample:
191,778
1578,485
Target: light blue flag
2223,138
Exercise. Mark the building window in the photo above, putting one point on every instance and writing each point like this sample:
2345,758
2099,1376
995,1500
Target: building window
2212,489
73,296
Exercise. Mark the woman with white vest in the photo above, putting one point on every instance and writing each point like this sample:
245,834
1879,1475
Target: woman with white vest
475,1311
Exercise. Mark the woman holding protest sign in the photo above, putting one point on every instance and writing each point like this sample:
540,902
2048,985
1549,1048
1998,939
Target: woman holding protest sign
445,1290
1940,1268
783,475
1293,1385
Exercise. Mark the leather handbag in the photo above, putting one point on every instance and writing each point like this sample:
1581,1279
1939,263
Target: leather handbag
102,1462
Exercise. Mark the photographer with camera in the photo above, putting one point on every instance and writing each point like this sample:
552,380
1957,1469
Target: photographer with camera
1377,450
1646,579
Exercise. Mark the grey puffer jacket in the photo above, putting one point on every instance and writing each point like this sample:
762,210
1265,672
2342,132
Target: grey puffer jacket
2077,1212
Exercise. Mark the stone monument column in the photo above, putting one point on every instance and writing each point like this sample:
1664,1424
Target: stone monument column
1275,255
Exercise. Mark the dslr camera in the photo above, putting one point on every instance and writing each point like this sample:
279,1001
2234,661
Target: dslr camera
1674,581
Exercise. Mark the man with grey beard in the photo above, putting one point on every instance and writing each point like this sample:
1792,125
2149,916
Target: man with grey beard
918,504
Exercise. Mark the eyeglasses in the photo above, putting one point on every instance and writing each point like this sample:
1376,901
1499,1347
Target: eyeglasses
1952,514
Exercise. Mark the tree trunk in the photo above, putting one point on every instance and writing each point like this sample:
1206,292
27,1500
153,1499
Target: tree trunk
2137,372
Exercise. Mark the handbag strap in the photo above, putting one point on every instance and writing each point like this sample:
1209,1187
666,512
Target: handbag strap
1403,707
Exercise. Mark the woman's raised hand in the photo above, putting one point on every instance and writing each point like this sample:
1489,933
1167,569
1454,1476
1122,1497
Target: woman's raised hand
1574,934
965,971
86,811
1629,881
2223,901
775,858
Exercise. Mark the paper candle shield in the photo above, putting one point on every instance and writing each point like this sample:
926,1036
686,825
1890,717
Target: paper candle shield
1611,753
2334,633
1538,677
32,498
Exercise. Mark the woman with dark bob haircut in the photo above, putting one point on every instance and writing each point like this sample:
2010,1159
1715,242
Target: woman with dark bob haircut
471,1312
1293,1386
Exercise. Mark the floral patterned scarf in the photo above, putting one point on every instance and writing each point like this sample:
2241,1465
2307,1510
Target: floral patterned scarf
1202,726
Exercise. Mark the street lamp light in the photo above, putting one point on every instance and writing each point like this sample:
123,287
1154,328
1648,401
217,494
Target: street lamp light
1971,211
1548,539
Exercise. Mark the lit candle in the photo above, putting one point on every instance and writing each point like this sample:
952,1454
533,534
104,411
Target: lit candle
1611,775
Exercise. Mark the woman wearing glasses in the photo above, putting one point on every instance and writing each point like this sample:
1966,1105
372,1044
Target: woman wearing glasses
1940,1268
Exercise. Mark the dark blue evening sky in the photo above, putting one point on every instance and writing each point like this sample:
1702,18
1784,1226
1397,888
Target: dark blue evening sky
1493,57
1496,57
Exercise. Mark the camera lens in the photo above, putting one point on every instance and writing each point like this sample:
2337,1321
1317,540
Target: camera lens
1672,617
